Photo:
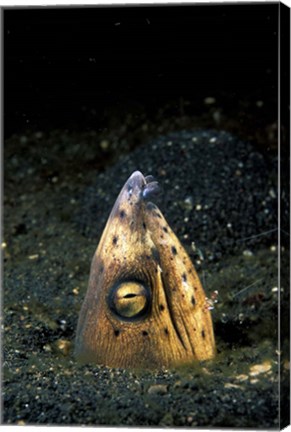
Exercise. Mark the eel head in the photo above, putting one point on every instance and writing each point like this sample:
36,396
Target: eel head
145,305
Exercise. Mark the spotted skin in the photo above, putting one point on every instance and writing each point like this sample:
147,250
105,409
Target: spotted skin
139,255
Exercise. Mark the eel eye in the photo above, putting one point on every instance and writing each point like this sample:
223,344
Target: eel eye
130,300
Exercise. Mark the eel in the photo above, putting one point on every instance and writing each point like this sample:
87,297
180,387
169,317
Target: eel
145,306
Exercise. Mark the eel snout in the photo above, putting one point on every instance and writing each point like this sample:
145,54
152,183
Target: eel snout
139,187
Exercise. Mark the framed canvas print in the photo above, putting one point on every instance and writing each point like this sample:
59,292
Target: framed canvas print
146,224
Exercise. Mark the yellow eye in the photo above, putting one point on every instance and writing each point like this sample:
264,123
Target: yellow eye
130,299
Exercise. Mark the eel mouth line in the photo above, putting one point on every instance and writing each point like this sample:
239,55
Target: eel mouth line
172,317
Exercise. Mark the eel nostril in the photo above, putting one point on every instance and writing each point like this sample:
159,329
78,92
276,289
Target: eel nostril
149,179
151,189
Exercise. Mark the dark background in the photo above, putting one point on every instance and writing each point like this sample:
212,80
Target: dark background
76,67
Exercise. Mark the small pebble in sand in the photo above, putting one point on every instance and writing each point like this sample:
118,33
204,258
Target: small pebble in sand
188,201
230,385
47,348
260,368
158,389
64,346
241,377
33,257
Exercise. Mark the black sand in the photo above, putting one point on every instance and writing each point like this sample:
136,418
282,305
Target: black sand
220,193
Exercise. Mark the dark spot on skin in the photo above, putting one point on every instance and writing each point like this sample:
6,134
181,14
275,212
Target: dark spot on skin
122,214
144,225
114,240
157,214
148,257
184,277
193,300
165,229
156,255
203,334
161,236
101,268
145,333
166,331
161,307
174,250
116,332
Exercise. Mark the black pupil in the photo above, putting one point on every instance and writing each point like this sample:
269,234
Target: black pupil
129,295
